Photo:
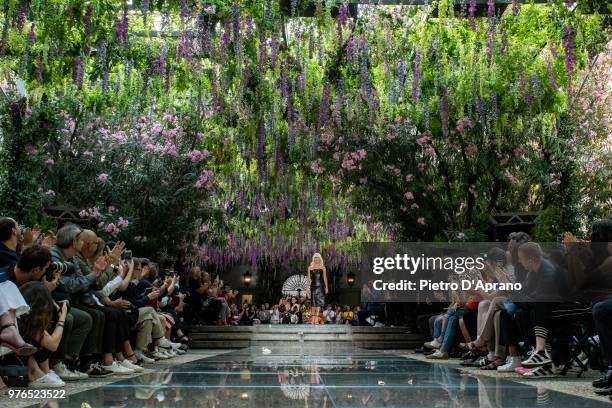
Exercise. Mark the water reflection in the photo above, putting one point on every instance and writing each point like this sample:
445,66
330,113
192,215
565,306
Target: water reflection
295,378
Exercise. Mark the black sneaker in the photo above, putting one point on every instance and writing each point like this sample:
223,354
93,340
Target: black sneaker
605,381
95,370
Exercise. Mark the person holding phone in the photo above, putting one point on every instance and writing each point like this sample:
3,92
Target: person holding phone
34,328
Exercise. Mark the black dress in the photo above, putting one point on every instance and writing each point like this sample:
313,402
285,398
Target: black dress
317,290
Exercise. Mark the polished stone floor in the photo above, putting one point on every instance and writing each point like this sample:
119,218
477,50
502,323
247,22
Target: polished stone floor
298,376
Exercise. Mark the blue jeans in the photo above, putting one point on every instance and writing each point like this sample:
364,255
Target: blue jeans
602,314
437,332
452,322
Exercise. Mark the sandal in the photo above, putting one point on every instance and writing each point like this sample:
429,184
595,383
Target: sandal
493,364
25,350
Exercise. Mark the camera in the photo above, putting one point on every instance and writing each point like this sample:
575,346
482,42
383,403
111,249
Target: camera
127,255
58,267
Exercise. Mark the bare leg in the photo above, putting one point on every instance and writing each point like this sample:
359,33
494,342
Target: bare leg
34,371
10,335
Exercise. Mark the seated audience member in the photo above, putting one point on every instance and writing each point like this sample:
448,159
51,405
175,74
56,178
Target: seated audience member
275,317
108,355
245,318
12,306
263,314
348,315
10,238
150,325
329,314
38,327
591,265
81,335
338,315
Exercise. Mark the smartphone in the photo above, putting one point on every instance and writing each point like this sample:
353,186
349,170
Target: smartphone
127,255
149,289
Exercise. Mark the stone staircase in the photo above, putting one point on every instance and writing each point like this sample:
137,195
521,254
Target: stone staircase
227,337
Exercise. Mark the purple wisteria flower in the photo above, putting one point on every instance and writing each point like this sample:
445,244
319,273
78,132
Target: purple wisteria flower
365,83
515,8
320,47
261,142
416,75
324,105
472,14
504,41
551,76
22,14
274,46
224,40
39,70
350,47
162,59
262,51
569,46
490,9
184,48
494,109
236,25
426,115
32,34
268,10
553,50
87,19
535,86
401,77
284,81
444,110
121,28
310,42
144,9
184,11
490,43
77,71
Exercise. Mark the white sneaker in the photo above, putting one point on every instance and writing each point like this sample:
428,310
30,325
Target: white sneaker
165,343
378,324
537,359
158,355
180,352
434,344
64,373
169,353
128,364
266,351
511,364
438,355
118,369
141,356
82,376
49,380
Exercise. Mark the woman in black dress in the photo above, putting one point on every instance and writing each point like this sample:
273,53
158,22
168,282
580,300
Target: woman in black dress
316,281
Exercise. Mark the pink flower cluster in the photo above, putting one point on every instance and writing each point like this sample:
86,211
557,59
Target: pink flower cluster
423,140
91,212
197,156
316,166
463,124
102,177
205,181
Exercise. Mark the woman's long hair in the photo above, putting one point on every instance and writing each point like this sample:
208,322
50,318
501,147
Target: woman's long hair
317,255
42,309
